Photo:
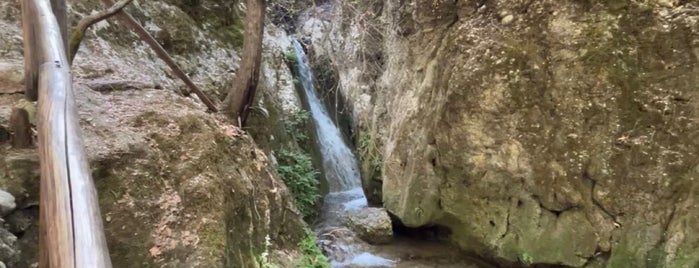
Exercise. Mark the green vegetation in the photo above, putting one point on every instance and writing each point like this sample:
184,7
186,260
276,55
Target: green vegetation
526,258
296,169
294,126
296,166
263,258
290,57
312,255
369,153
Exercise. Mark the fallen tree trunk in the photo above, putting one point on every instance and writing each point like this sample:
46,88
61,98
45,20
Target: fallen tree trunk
71,231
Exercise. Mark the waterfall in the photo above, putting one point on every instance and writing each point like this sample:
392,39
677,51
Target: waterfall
339,162
341,170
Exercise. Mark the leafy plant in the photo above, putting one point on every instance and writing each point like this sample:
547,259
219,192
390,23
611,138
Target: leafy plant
526,258
263,259
369,152
296,169
312,254
290,56
294,125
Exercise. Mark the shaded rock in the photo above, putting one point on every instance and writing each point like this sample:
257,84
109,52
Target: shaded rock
20,176
8,251
4,134
373,225
20,220
103,85
7,203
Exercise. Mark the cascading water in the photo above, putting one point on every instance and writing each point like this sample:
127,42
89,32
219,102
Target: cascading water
341,171
339,162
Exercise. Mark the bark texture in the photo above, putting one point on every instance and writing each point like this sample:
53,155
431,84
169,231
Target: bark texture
242,94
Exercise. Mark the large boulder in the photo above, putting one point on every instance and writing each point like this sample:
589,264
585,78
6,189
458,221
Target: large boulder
372,225
552,132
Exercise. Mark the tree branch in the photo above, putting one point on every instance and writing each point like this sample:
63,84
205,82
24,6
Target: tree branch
130,22
77,36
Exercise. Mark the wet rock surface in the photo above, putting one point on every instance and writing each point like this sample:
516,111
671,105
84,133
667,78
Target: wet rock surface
373,225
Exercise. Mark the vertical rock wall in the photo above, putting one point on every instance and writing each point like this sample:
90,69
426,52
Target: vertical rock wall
559,132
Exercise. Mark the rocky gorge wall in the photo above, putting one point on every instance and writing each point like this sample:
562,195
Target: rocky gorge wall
178,187
537,132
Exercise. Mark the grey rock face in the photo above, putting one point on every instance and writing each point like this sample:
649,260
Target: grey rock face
8,250
372,225
567,134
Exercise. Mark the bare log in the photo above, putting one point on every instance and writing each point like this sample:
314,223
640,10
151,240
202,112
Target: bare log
71,230
21,128
130,22
241,96
76,37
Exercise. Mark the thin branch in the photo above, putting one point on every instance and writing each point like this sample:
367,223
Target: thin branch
77,36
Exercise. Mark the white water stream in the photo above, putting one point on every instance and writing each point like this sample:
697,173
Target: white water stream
341,171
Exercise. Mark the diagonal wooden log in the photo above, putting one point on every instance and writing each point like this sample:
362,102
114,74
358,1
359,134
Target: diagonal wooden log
71,231
76,37
130,22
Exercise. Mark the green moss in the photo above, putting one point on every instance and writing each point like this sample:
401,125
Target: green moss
190,124
212,235
233,34
128,240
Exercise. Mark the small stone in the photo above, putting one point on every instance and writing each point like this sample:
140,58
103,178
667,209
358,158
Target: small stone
7,203
372,225
507,19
